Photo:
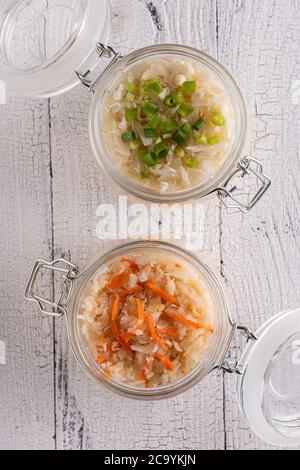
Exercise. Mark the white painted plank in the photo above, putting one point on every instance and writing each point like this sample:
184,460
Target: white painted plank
259,41
26,385
89,417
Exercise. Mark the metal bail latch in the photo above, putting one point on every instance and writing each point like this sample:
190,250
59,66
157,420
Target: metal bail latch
70,272
228,364
246,165
102,51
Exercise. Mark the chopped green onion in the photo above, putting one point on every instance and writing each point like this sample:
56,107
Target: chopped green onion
173,99
161,150
149,109
149,158
198,125
178,97
201,140
191,162
154,86
158,140
169,101
189,87
131,114
213,140
131,87
144,174
187,128
134,144
217,119
180,137
150,133
185,109
170,125
180,152
144,91
154,122
128,137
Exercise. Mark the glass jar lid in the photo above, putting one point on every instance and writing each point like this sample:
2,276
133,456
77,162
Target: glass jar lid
269,386
42,44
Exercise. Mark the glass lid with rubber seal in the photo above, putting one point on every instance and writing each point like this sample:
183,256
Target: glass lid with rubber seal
43,43
269,381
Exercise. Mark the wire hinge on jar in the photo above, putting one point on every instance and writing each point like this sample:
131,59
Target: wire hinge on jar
245,166
228,364
70,273
102,51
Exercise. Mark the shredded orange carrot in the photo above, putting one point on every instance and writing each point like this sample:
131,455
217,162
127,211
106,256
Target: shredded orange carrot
134,290
102,339
152,284
165,361
115,330
119,280
184,320
141,313
168,332
153,332
124,344
115,308
127,337
101,360
107,373
134,266
142,376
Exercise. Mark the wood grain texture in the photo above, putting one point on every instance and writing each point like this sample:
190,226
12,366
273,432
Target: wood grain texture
260,251
86,416
52,186
26,383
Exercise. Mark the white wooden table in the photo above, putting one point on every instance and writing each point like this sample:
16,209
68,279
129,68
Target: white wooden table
50,190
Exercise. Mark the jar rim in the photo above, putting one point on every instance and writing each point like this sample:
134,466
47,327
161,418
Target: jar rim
210,359
230,162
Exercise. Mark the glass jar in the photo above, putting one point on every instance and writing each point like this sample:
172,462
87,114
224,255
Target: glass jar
45,51
269,369
234,163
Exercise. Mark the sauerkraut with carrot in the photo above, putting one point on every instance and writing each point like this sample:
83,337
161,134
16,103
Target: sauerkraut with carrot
147,320
168,124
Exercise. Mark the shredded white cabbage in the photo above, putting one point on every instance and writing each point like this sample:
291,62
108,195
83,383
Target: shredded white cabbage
173,173
168,340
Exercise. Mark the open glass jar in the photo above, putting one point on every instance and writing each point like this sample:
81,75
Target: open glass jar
268,383
48,49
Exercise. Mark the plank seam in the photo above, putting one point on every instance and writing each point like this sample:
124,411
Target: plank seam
220,242
52,275
52,243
